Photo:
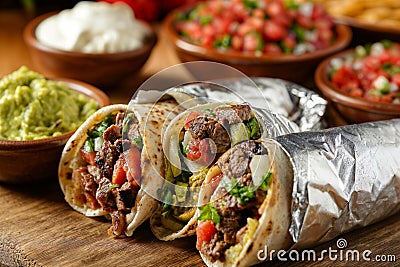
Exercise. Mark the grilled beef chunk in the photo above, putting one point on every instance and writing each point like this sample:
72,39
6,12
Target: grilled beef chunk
235,162
112,133
233,114
106,158
208,127
118,223
105,196
215,248
125,196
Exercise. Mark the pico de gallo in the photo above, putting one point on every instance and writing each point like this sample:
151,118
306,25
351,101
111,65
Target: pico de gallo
205,135
257,26
372,72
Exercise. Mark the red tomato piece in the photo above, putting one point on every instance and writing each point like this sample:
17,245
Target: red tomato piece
200,150
273,31
88,157
119,174
133,170
193,150
205,231
396,79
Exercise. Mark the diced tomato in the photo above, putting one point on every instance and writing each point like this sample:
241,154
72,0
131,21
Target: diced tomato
133,170
88,157
275,9
200,151
237,42
193,150
205,231
189,118
268,21
396,79
304,21
119,174
272,48
274,31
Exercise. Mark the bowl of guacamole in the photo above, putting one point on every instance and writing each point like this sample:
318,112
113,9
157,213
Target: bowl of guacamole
37,117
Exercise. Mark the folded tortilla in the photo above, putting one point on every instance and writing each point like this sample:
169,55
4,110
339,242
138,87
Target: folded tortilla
91,189
249,207
220,125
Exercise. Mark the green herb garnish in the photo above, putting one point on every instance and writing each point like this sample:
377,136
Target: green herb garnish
224,43
138,141
291,4
243,193
251,4
112,186
387,43
266,182
97,132
253,129
205,20
209,112
300,32
209,212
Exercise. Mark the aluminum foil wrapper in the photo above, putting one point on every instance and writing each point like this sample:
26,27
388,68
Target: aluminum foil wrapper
344,178
286,107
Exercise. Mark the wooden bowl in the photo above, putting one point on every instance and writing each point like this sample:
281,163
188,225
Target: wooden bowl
100,69
352,109
34,161
295,68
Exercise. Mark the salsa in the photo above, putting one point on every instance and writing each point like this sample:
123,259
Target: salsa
372,72
33,107
257,26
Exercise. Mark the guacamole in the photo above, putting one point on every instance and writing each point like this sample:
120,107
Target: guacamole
32,107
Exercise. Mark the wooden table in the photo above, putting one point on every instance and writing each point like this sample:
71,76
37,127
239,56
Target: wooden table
38,228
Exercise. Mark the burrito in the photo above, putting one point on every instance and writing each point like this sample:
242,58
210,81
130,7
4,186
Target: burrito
111,159
298,190
248,197
194,141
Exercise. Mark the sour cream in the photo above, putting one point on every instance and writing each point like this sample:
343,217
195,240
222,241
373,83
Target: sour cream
93,27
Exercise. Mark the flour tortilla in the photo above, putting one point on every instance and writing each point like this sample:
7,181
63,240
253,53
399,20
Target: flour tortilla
171,147
152,118
273,226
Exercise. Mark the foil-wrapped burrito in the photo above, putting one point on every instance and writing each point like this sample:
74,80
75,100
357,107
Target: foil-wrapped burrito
297,190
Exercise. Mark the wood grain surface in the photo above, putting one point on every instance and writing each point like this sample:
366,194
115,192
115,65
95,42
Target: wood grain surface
38,228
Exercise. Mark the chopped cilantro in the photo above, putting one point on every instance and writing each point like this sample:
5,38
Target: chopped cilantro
209,112
89,145
112,186
251,4
209,212
266,181
224,43
138,141
387,43
205,20
291,4
243,193
253,129
300,32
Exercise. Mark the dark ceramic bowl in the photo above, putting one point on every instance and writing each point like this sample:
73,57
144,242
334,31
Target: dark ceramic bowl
100,69
352,109
295,68
37,160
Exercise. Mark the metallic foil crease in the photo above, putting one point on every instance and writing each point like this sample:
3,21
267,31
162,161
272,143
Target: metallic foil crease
344,178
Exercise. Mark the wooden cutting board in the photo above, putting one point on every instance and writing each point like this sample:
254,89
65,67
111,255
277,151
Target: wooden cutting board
37,228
